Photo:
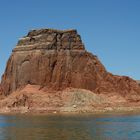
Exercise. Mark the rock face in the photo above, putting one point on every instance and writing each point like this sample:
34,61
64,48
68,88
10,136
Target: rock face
52,58
57,60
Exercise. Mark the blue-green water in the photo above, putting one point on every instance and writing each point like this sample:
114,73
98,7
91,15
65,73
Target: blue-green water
74,127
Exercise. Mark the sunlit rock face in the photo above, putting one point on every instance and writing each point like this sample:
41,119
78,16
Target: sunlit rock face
52,58
57,59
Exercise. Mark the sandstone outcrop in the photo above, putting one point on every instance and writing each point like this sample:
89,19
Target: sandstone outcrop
54,59
57,60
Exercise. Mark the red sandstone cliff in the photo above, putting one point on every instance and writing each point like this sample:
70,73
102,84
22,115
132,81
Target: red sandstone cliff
57,60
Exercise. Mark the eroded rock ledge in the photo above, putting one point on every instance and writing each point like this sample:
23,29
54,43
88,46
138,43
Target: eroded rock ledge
50,39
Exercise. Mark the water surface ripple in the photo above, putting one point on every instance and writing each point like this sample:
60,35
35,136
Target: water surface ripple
70,127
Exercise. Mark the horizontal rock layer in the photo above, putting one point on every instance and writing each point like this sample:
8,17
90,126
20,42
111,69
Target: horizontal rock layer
51,40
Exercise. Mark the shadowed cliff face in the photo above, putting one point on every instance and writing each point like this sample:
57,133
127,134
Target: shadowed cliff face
56,60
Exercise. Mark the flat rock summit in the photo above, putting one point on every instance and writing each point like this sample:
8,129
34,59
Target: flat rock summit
51,71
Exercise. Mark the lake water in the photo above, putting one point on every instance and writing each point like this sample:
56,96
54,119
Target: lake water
74,127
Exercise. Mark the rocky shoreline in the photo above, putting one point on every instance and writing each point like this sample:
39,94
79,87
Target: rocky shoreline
32,100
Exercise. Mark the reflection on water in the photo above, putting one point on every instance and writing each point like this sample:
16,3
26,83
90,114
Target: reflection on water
74,127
